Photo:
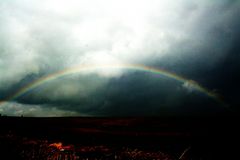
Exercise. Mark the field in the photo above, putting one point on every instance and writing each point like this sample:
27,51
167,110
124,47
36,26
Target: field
166,138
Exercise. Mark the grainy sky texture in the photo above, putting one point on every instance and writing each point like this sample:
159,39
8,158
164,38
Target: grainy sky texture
198,40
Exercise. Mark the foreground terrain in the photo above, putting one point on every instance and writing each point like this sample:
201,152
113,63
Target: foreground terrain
167,138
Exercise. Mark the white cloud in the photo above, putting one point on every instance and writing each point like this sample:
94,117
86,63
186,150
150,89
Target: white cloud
17,109
48,35
190,86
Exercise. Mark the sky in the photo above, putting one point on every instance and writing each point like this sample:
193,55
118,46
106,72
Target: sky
94,58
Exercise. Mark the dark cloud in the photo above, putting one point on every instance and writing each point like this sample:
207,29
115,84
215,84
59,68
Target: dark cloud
132,94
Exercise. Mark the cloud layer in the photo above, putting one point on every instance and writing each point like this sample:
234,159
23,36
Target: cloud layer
38,38
16,109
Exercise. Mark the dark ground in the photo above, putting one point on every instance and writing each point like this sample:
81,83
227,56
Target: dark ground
198,138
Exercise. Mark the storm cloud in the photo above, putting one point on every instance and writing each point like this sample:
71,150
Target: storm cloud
195,39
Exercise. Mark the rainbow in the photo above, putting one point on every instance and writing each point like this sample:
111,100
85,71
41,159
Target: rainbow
84,68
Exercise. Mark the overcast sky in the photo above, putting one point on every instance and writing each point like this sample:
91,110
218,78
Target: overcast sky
198,40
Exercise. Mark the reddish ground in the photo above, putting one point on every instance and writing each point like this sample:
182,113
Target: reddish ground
117,138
